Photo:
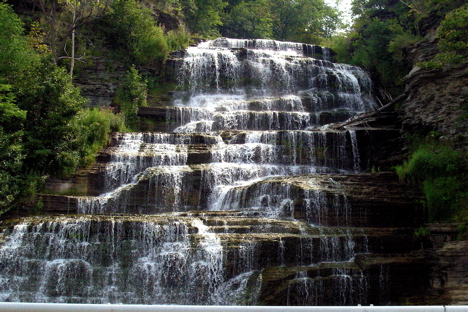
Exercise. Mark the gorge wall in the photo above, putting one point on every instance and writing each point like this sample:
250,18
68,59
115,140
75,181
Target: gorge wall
437,98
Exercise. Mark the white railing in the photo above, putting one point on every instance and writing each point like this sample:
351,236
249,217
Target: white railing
63,307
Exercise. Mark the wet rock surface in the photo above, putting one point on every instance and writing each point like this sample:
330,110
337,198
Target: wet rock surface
239,198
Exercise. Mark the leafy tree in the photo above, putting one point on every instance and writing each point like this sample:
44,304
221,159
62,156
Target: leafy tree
383,28
51,101
453,42
371,50
177,39
131,29
303,20
249,20
11,147
93,126
204,16
15,54
132,94
441,172
63,18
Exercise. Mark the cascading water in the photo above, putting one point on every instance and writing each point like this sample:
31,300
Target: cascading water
226,203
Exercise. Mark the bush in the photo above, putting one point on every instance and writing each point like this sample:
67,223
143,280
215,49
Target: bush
431,162
51,102
130,95
341,45
441,172
177,39
93,127
453,42
131,30
445,197
374,47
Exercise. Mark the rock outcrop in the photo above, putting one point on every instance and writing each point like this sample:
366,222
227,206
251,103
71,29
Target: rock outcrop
437,98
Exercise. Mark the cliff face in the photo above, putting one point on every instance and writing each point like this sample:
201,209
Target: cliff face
437,99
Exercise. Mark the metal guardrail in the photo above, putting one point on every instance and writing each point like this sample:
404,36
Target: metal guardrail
59,307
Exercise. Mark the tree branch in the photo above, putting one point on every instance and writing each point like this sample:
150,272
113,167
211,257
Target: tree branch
370,114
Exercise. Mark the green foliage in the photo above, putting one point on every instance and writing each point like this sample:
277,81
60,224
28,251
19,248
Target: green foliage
177,39
300,20
431,161
11,148
374,48
445,197
341,45
401,41
422,232
131,30
250,20
303,20
384,28
94,126
204,16
454,31
453,42
15,54
130,95
441,171
51,101
462,231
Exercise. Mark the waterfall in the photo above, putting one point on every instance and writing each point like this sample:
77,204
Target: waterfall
237,196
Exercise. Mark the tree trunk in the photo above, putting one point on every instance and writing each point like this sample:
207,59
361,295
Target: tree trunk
72,61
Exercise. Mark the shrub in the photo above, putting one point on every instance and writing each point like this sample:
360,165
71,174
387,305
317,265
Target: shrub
177,39
440,171
130,95
93,127
131,30
453,42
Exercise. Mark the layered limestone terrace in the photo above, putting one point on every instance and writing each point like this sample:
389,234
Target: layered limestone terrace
238,193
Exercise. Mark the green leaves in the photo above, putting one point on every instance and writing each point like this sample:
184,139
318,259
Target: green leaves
204,16
15,54
453,44
454,33
441,172
131,29
300,20
132,94
51,101
250,20
11,147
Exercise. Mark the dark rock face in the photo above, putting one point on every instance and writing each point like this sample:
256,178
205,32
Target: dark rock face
167,21
437,102
436,98
99,79
449,262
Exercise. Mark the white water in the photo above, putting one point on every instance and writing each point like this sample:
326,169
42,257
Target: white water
246,137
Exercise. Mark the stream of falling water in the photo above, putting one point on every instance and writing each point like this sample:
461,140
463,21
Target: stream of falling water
246,138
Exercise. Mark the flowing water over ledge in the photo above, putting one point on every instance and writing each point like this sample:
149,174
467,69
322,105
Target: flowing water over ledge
244,199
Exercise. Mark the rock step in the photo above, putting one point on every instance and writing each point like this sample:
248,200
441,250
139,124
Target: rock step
368,276
373,199
168,119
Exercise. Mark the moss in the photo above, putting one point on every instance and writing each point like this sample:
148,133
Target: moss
422,232
462,231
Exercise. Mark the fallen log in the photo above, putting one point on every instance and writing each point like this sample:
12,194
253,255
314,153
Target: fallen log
340,125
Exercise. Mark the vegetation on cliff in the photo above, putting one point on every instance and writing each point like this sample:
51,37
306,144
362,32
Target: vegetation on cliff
379,40
384,30
441,172
42,128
